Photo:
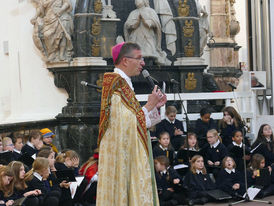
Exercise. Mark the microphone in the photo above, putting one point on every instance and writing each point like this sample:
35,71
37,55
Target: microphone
150,80
173,81
84,83
232,85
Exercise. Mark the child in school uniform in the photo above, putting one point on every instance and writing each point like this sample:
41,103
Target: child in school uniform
37,178
203,124
231,121
33,144
191,144
18,145
197,181
235,150
164,148
168,183
21,189
67,160
7,150
173,126
229,179
264,144
214,153
6,186
253,172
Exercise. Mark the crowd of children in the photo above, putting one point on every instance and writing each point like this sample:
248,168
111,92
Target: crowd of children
211,158
188,165
35,174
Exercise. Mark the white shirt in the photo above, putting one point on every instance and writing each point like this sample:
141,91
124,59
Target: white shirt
172,122
30,144
17,151
229,171
238,145
153,117
199,171
164,149
215,144
38,176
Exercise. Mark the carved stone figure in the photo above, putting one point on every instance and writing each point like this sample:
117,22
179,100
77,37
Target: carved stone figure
143,27
163,9
53,27
203,26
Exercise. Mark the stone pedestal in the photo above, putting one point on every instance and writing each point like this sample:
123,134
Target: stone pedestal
224,52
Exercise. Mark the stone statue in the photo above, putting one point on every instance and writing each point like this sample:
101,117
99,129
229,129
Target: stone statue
234,24
143,27
203,26
163,9
53,27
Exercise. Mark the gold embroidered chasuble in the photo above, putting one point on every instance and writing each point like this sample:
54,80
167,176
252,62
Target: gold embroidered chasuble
126,176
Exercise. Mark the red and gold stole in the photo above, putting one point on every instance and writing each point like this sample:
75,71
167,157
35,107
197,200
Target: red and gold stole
113,82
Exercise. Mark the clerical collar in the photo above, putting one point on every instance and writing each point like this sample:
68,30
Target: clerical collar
215,144
238,145
30,144
38,176
17,151
171,122
229,171
163,148
199,171
124,76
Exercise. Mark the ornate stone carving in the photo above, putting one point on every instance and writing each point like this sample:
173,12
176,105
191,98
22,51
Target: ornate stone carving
188,29
164,12
234,24
183,9
98,6
99,82
203,26
95,48
96,26
191,82
53,27
189,49
143,27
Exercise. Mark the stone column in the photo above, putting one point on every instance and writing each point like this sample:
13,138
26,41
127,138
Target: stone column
224,59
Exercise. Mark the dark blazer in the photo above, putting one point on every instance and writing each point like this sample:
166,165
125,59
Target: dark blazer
201,129
158,151
215,154
29,150
225,181
197,184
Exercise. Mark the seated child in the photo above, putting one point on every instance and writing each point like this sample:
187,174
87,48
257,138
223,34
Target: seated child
214,153
67,160
197,181
173,126
164,147
229,179
257,163
18,144
21,189
33,144
37,179
191,144
235,150
168,183
6,186
204,124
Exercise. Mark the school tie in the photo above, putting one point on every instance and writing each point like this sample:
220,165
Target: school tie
47,185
